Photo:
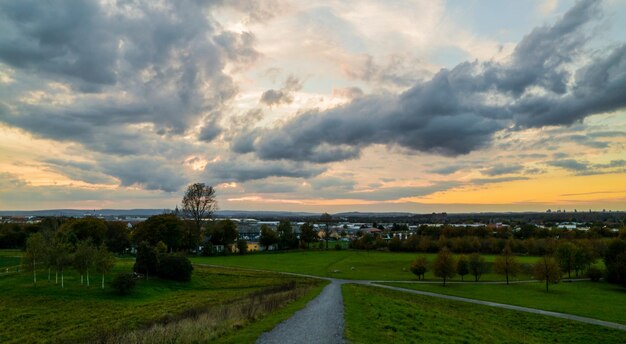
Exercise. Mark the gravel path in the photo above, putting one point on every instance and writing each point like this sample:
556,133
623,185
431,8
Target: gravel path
321,321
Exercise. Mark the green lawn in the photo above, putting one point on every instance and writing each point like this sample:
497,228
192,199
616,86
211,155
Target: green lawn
47,313
348,264
10,258
598,300
376,315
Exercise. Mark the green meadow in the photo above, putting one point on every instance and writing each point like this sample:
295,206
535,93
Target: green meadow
599,300
346,264
376,315
48,313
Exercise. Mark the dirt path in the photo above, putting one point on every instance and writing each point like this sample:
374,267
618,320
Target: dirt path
321,321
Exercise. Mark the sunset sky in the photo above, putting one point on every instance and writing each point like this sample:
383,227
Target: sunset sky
419,106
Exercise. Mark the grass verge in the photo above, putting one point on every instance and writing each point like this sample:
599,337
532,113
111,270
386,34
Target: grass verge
376,315
597,300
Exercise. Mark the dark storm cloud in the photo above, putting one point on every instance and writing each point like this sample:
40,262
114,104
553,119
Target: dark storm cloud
455,112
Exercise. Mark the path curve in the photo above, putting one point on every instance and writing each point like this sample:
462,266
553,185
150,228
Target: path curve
338,282
320,322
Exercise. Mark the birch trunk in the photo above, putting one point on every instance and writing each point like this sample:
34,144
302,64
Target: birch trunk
88,278
62,285
102,281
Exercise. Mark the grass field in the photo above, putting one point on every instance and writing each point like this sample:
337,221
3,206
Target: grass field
47,313
10,258
375,315
598,300
374,265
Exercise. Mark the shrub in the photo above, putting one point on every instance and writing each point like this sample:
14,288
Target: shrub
594,273
124,283
175,268
338,246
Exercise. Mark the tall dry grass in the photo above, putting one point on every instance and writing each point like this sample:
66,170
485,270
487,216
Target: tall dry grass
203,324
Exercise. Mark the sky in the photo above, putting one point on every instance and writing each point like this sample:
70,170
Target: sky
323,106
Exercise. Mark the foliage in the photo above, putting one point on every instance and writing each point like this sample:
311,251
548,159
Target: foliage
462,266
103,261
176,268
242,246
444,265
547,269
198,203
147,260
615,262
566,254
36,250
506,264
268,237
419,267
87,228
594,274
477,266
83,257
124,283
165,227
307,234
286,237
223,232
117,237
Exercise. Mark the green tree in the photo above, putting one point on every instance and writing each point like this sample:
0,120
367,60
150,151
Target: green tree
117,236
286,237
198,204
462,266
477,265
103,261
88,228
223,232
326,219
60,255
165,227
268,237
83,258
307,234
419,267
582,258
242,246
615,262
506,264
147,260
444,265
566,255
547,269
35,252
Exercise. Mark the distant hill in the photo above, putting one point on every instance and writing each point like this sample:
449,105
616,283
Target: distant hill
372,214
82,212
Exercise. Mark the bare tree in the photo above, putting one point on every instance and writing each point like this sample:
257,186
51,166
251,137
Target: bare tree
199,203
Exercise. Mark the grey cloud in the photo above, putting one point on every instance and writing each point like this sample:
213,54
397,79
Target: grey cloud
148,173
447,169
130,48
348,92
453,113
284,95
500,169
10,181
209,132
570,164
332,183
241,170
87,172
394,193
483,181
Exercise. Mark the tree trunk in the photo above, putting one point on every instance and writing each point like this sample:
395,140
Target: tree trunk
34,272
56,277
81,279
48,274
62,285
102,281
88,278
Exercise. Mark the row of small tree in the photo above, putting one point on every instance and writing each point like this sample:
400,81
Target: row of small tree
53,252
446,266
